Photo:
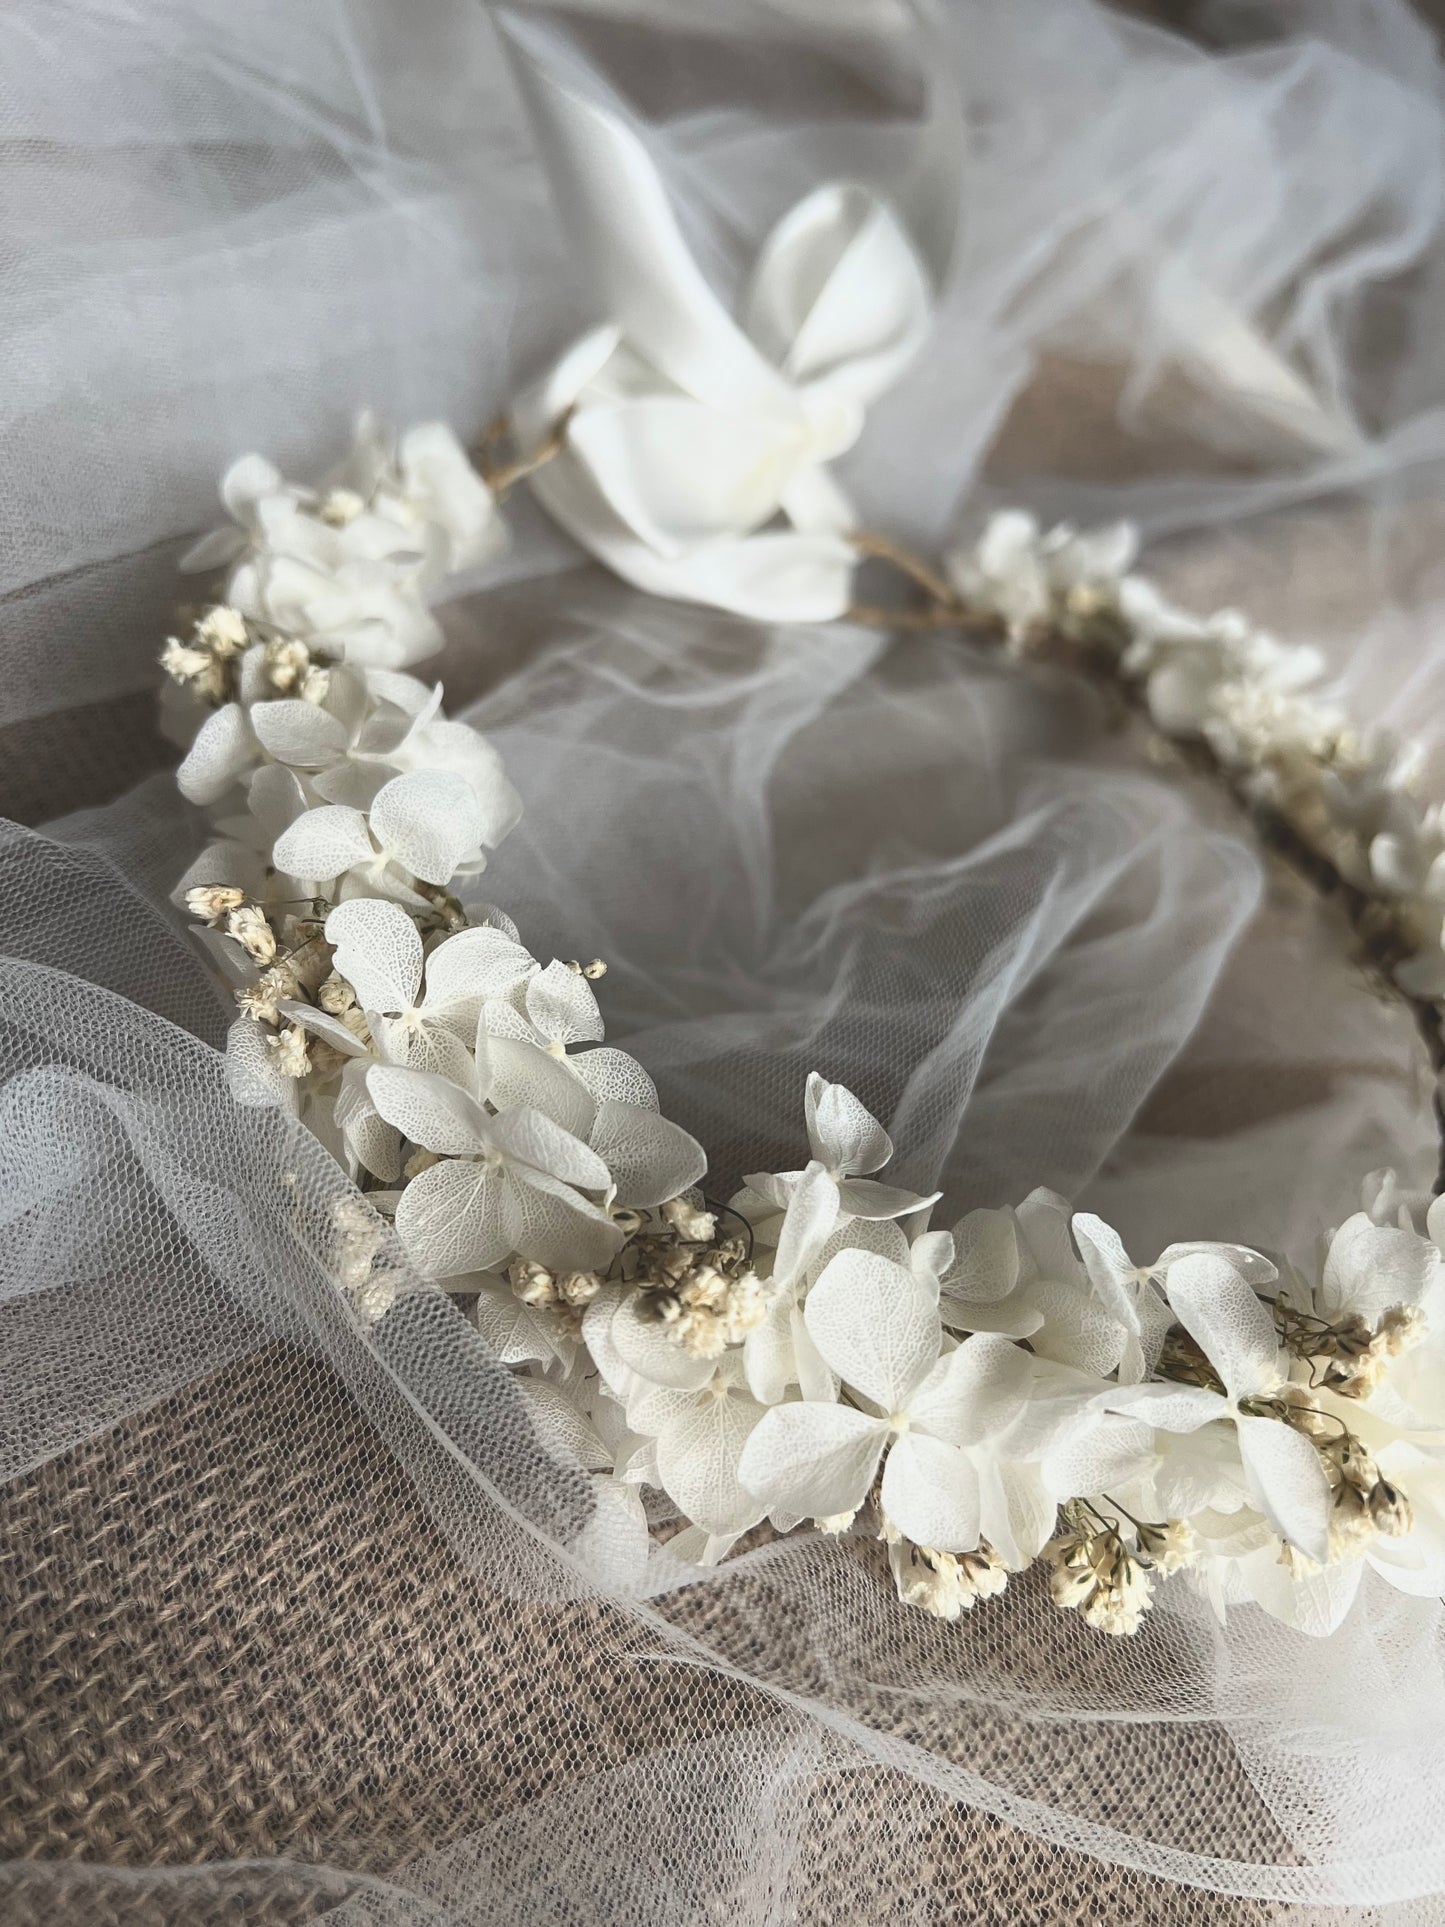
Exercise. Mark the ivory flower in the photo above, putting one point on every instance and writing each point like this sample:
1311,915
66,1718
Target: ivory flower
378,950
701,1434
689,436
848,1144
426,826
511,1183
937,1420
1217,1305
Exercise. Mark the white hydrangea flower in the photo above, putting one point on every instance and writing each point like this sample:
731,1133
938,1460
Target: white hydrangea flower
847,1144
1389,1276
347,570
778,1353
1130,1292
1186,660
1026,578
507,1184
1016,1272
427,826
1219,1309
938,1420
424,483
379,951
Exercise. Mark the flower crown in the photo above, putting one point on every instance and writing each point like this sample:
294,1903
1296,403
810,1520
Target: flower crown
1017,1389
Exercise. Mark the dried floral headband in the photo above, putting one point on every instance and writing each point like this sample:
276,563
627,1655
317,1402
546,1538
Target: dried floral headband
1015,1390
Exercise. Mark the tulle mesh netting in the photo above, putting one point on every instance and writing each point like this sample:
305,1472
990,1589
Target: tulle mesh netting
299,1619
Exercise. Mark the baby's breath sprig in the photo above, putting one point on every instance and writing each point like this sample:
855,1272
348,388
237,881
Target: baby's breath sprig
701,1287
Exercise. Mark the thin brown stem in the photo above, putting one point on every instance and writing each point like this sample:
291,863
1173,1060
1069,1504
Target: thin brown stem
501,477
881,548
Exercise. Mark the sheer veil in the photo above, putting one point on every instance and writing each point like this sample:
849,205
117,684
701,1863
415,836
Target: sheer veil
306,1624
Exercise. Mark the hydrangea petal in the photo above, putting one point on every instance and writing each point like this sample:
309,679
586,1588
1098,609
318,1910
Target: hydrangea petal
429,1110
843,1134
875,1325
562,1005
323,843
697,1461
1221,1312
812,1460
528,1135
298,733
610,1073
523,1074
650,1158
551,1224
378,952
450,1220
930,1493
223,750
429,822
1289,1484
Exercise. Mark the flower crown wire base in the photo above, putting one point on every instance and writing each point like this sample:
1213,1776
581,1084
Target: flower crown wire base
1017,1389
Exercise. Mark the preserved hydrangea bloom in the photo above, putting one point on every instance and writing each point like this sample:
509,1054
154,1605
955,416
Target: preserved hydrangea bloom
847,1144
941,1421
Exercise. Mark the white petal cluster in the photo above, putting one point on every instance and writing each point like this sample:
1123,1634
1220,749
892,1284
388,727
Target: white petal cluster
347,568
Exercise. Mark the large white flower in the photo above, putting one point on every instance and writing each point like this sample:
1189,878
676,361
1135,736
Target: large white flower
1219,1309
506,1184
797,1211
688,436
939,1420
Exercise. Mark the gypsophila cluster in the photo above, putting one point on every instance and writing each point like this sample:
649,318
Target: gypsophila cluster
1017,1389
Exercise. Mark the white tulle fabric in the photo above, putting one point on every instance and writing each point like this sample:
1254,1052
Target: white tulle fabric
1201,284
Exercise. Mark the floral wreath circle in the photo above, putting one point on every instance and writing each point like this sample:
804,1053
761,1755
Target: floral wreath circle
1017,1389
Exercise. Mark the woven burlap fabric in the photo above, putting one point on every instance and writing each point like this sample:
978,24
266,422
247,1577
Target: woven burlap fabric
202,1662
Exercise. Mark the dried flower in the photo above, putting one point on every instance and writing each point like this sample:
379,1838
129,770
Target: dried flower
591,971
1092,1572
335,996
212,902
690,1222
222,630
703,1289
534,1284
290,1052
578,1288
1167,1546
946,1584
249,926
286,664
360,1236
